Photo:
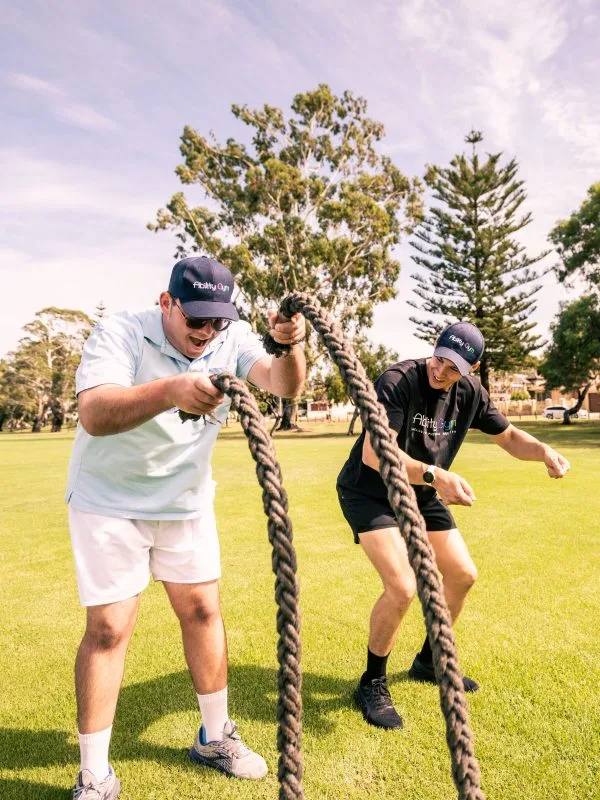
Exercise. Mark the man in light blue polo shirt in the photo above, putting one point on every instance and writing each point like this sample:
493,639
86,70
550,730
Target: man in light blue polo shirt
140,494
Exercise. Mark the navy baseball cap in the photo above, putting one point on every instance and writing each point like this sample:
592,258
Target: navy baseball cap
203,287
462,343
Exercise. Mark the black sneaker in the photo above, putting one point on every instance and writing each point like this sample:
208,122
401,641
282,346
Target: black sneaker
421,671
374,700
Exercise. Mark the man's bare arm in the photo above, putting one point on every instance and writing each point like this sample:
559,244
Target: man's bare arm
283,377
450,487
109,409
525,447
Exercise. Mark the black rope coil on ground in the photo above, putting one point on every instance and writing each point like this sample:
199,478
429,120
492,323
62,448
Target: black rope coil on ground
465,769
275,504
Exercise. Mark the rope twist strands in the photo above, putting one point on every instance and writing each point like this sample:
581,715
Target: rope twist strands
275,504
465,769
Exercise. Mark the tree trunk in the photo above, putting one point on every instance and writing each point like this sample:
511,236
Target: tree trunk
277,413
58,416
355,415
484,373
38,424
289,414
40,418
581,393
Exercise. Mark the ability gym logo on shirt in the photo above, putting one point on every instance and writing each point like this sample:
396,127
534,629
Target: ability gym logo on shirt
431,425
222,287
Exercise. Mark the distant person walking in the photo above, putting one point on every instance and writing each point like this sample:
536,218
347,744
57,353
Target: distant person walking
431,404
140,494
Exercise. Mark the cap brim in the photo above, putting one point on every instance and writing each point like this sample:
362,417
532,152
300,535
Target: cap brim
207,309
461,363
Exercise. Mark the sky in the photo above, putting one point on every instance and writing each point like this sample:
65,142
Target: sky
94,97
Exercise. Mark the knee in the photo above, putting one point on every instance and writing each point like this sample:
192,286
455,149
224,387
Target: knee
401,590
200,611
465,577
108,635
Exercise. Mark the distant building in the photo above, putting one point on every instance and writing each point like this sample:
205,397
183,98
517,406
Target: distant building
324,411
504,386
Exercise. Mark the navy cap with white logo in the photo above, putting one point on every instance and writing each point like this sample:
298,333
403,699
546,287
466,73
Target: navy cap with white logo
204,288
462,343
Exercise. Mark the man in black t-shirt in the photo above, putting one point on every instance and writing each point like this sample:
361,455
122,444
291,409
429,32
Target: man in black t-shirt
431,404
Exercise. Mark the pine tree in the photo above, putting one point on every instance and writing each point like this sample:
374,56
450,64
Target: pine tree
474,268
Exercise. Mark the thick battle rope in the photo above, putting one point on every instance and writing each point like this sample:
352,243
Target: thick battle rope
275,504
465,769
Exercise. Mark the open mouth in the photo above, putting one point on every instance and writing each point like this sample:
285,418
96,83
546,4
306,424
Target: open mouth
197,342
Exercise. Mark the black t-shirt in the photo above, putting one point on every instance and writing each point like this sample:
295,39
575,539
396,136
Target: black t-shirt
431,425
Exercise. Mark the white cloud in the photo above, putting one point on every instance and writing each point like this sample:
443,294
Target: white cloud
429,22
125,272
30,84
430,70
568,113
60,104
485,59
32,184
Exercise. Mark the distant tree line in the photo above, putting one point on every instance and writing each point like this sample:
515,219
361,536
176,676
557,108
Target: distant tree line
37,380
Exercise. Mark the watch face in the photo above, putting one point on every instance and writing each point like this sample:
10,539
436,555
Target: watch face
428,477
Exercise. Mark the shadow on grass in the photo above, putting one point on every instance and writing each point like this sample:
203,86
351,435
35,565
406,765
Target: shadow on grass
253,695
253,692
27,790
20,749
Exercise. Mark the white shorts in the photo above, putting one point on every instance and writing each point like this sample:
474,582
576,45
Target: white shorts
114,557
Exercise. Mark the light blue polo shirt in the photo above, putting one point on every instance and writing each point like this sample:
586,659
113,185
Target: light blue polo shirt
161,469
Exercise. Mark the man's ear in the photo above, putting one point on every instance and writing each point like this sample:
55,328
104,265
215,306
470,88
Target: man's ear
475,367
165,302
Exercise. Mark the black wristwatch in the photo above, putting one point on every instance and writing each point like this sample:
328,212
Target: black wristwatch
429,474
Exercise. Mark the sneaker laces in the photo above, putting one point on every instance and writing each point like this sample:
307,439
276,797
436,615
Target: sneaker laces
89,787
233,741
378,692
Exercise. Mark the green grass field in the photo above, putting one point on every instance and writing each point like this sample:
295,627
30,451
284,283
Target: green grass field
529,634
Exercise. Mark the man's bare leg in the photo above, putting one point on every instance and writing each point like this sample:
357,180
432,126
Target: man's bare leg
459,575
99,670
217,744
387,552
100,662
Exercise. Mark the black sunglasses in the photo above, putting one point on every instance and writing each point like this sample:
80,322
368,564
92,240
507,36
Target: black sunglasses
197,323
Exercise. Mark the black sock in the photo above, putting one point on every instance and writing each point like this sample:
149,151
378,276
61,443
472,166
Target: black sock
426,656
376,667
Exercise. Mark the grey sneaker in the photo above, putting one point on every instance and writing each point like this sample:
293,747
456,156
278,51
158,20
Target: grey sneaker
88,787
230,755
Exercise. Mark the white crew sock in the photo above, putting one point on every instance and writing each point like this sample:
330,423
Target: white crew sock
213,708
93,749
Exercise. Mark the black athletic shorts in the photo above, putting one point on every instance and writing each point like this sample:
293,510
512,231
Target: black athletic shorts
368,514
